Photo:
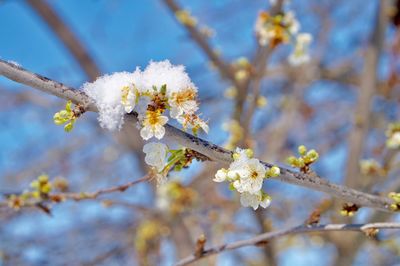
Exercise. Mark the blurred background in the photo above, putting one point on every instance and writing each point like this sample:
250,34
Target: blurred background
340,103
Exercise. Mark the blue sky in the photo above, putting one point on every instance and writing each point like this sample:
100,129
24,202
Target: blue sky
121,35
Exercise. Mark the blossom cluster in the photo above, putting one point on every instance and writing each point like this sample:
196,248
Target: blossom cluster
282,29
395,206
274,30
393,136
162,159
306,158
349,209
161,90
300,54
68,116
246,175
39,191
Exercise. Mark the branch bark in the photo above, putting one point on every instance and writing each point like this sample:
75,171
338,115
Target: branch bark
263,238
212,151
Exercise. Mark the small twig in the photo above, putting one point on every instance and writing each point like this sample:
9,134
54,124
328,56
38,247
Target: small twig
260,63
201,241
254,241
362,112
41,203
84,195
202,42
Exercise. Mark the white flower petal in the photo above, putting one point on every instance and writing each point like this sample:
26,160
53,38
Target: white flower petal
159,132
146,133
221,175
156,154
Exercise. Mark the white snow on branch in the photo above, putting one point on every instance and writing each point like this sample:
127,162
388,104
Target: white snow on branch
160,87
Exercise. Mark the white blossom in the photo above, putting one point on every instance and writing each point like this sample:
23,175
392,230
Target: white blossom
300,54
192,121
255,200
293,24
153,125
156,153
246,173
221,175
250,175
393,141
183,102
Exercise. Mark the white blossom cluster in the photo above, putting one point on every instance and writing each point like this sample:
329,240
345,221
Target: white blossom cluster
160,89
393,141
246,175
274,30
393,135
300,54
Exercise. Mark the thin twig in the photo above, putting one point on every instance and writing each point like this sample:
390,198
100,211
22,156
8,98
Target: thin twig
203,43
212,151
365,95
263,238
94,195
259,63
78,196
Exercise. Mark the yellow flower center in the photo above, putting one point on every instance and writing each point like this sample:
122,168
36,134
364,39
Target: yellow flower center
153,118
254,175
183,96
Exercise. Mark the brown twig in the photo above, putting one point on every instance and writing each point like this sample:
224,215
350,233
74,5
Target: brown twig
93,195
67,37
254,241
363,106
203,43
259,64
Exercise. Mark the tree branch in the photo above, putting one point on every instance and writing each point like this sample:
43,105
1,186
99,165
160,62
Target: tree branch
67,37
260,63
263,238
368,83
84,195
212,151
202,42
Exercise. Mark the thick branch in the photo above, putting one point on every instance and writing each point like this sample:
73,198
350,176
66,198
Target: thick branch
212,151
263,238
67,37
